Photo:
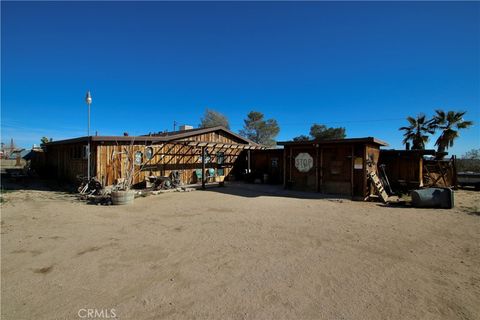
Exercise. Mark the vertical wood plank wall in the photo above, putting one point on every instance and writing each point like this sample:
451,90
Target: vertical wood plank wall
404,168
334,170
261,161
167,158
109,164
66,161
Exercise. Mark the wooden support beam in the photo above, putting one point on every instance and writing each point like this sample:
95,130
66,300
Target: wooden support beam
284,168
203,167
217,145
321,170
352,164
420,171
317,188
290,170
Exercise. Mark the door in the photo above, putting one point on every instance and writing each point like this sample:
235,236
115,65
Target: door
336,170
303,169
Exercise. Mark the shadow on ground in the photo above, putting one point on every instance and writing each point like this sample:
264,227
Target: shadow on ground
258,190
33,183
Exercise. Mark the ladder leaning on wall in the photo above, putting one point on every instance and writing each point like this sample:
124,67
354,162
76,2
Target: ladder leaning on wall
378,186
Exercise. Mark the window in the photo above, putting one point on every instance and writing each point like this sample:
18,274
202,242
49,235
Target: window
79,152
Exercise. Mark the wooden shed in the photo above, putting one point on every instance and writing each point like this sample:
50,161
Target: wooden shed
331,166
265,165
410,169
186,152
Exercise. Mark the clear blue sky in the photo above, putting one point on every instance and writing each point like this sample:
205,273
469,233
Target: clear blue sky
362,65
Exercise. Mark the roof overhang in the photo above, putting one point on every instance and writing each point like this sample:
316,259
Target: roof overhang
430,152
158,140
367,140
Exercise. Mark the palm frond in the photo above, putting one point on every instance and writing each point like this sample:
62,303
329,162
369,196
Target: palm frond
464,124
412,121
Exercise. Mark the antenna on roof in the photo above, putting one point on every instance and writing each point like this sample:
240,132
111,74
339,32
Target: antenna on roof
174,125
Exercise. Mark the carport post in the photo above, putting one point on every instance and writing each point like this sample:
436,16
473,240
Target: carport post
203,167
317,185
248,160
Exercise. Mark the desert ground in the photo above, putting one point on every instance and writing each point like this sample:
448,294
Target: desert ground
238,252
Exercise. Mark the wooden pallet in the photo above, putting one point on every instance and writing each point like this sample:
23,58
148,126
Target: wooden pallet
378,186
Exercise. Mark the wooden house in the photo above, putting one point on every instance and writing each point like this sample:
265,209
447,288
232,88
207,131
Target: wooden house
331,166
186,151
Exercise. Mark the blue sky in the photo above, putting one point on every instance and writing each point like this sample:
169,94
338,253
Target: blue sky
362,65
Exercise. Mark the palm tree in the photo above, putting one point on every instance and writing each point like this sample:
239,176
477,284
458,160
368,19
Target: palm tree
418,131
450,123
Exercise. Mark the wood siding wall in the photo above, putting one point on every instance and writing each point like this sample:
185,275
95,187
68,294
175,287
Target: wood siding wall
412,171
403,169
268,162
67,161
334,170
167,158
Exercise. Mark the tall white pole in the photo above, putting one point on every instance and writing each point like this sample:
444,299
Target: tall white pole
88,148
88,99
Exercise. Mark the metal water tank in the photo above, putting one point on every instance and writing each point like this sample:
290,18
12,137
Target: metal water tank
433,198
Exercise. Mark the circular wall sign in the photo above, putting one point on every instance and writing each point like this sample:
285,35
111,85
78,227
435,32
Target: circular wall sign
303,162
149,153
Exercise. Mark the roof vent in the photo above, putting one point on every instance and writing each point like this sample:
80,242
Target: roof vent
185,127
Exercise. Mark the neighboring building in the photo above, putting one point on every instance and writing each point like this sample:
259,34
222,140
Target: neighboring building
157,155
11,152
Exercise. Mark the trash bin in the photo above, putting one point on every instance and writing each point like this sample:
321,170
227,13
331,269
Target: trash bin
433,198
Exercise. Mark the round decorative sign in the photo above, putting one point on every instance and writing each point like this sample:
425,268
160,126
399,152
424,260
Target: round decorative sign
303,162
149,153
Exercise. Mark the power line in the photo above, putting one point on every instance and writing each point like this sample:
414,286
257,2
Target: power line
333,122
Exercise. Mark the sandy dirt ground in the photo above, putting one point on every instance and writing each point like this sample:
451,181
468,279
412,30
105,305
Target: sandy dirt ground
237,253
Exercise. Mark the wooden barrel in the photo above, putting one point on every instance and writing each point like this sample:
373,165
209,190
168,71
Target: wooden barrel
123,197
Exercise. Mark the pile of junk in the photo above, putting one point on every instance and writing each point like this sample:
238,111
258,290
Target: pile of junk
430,197
121,192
